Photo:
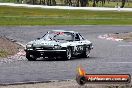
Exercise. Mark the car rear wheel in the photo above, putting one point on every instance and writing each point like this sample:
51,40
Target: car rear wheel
31,57
68,54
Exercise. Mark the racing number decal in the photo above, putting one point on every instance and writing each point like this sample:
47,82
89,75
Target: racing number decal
79,48
75,48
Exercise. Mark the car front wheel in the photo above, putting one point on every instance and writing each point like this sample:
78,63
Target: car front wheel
86,53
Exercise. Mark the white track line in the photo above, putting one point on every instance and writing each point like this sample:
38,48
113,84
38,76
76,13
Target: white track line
67,7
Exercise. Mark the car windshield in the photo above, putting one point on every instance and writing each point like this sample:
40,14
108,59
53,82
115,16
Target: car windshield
58,36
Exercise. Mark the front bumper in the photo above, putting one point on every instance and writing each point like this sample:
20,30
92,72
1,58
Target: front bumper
31,50
45,53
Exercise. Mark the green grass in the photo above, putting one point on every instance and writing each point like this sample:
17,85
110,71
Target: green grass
3,53
35,16
8,1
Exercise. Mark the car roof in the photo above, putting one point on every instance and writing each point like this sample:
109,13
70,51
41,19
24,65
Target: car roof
64,31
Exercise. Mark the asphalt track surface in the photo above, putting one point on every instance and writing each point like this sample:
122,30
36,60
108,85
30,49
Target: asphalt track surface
106,57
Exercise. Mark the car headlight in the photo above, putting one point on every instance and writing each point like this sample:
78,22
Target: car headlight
29,45
57,46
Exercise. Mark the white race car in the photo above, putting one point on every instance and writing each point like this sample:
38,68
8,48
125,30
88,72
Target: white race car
58,43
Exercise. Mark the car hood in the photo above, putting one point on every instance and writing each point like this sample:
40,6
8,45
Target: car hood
52,43
42,42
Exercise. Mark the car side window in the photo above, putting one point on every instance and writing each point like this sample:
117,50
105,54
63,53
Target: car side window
81,38
77,38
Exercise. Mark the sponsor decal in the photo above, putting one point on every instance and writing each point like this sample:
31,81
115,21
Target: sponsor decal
83,78
59,33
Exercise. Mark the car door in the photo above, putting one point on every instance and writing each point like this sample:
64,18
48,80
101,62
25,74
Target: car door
79,43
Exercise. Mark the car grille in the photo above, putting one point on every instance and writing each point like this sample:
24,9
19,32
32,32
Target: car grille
43,48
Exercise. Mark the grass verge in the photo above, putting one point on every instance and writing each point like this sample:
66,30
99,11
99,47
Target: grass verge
12,1
8,48
3,53
125,36
35,16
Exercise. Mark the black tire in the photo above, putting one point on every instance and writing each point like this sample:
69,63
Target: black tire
81,80
86,53
30,57
68,54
